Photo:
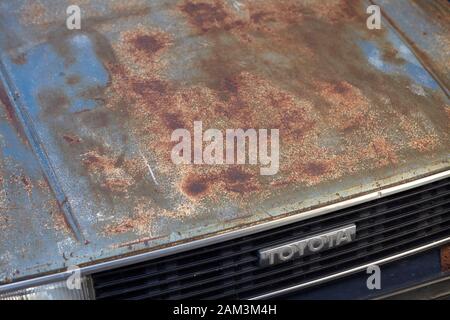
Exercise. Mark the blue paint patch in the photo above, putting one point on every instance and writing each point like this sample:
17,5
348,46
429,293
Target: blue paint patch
12,147
412,68
45,69
373,55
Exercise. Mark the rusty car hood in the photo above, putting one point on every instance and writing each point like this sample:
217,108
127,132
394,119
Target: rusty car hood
86,117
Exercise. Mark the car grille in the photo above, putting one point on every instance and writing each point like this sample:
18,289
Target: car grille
231,270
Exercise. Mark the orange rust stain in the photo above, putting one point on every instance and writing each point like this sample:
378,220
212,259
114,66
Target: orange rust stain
145,87
195,187
26,181
23,180
391,55
239,181
445,258
338,11
145,46
59,222
104,170
19,59
73,79
121,227
207,15
141,220
350,108
247,22
53,100
228,95
71,139
233,180
383,152
316,168
4,100
34,12
148,44
253,15
424,144
10,113
173,121
4,221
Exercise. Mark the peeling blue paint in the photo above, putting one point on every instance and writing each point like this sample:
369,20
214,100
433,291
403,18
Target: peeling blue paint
411,68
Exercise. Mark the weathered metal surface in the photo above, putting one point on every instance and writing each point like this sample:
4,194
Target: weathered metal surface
425,30
87,117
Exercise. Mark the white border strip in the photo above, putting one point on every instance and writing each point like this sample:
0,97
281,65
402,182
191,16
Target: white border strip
125,261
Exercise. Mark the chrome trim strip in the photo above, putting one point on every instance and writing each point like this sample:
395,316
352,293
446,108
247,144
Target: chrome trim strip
353,270
121,262
428,290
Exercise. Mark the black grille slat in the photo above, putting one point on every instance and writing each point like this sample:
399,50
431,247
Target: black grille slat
246,261
285,279
230,269
196,263
215,259
271,276
336,216
345,251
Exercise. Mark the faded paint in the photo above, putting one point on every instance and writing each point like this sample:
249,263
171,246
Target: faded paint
356,111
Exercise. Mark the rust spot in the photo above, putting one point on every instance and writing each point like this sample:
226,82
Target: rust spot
19,59
139,221
73,79
58,218
24,180
384,152
259,16
33,12
71,139
121,227
445,258
144,87
316,168
424,144
235,175
94,160
230,86
238,181
341,88
53,100
104,171
4,99
4,222
206,16
195,187
338,11
235,180
95,93
11,115
390,54
148,43
173,121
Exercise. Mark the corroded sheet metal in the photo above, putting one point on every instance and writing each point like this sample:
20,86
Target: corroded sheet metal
87,118
425,30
